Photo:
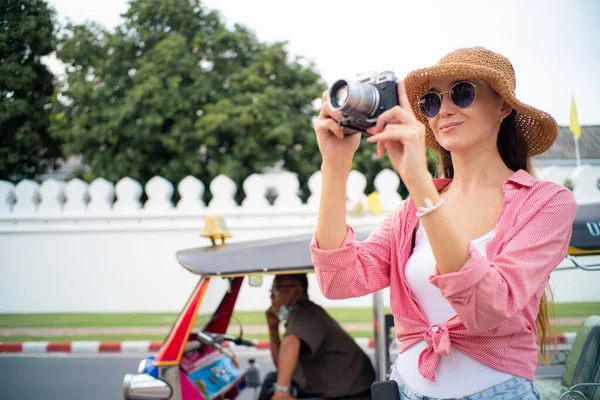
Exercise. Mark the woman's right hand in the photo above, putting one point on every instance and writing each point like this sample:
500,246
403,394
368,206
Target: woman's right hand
335,148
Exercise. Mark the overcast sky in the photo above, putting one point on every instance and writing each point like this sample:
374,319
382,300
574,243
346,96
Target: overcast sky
554,45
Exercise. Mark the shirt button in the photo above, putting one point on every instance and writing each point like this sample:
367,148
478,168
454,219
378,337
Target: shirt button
435,329
508,186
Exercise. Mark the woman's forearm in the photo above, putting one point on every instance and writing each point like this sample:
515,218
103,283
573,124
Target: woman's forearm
449,245
331,223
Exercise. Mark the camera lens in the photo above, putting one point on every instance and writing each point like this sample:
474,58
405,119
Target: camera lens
338,95
353,98
341,95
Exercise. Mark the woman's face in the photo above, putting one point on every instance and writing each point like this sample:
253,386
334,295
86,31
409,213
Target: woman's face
465,129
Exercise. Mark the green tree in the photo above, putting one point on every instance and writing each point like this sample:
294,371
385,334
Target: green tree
173,91
26,87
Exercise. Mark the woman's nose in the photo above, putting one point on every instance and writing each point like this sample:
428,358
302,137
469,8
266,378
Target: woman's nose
447,107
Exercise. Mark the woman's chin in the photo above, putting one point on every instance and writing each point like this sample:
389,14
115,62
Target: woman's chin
451,145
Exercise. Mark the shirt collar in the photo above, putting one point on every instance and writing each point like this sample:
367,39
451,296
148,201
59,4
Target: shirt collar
441,183
520,177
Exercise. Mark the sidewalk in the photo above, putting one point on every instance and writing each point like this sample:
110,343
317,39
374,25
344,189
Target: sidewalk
565,340
147,346
142,330
164,330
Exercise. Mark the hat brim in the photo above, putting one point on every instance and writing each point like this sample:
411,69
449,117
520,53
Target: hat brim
538,128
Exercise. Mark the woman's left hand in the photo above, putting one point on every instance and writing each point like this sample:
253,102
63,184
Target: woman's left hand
403,136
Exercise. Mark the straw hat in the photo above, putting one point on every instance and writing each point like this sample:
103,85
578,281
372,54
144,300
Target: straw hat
539,128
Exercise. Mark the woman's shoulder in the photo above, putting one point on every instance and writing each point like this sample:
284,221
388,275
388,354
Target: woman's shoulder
549,189
541,189
549,194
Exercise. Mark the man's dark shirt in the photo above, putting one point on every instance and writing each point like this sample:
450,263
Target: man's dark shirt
330,362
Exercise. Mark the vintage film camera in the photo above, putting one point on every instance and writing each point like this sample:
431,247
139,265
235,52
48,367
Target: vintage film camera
361,101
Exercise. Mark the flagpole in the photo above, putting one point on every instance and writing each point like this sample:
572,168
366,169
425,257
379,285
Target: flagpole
577,152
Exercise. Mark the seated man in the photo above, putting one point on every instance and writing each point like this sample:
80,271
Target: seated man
315,358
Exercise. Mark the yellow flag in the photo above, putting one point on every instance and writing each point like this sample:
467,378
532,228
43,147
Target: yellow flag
574,125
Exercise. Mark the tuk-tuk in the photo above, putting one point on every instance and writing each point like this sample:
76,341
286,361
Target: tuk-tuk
585,240
579,376
202,365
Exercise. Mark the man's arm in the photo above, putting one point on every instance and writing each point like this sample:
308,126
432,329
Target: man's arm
288,357
274,343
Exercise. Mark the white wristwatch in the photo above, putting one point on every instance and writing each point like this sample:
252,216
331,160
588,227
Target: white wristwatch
279,388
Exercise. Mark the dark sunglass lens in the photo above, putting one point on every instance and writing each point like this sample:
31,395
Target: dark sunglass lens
463,94
430,105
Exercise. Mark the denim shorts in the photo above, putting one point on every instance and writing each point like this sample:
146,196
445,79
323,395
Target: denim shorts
513,389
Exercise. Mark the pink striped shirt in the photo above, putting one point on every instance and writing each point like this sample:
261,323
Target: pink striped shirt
496,299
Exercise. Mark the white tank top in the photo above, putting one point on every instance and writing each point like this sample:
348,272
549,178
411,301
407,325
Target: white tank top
455,373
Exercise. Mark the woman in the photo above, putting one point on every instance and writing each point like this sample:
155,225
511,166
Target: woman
468,257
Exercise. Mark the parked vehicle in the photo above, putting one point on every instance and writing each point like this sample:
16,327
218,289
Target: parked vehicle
199,365
579,377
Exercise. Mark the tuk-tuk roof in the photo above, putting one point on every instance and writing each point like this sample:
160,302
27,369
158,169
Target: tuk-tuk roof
586,230
280,255
291,254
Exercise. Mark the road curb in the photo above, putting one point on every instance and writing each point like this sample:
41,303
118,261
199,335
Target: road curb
143,346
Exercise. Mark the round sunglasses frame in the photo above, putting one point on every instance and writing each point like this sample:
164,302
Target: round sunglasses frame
450,97
277,289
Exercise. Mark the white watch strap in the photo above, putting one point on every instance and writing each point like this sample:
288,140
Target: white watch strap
280,388
429,207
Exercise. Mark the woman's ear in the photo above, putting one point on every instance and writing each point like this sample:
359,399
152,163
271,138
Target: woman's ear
506,110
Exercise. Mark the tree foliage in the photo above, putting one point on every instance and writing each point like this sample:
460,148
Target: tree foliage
26,86
174,91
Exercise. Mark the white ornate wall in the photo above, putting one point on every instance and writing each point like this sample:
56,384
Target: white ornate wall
78,247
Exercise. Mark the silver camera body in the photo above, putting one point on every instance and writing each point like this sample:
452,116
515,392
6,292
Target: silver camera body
362,100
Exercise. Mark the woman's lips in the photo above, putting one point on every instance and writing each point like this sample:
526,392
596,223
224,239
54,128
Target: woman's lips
450,127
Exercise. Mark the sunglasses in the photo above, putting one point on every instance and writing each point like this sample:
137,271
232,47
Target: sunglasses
277,289
462,95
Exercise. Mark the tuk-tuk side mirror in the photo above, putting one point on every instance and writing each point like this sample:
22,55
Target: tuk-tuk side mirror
255,280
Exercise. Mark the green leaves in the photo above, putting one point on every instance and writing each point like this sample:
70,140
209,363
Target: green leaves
26,34
174,92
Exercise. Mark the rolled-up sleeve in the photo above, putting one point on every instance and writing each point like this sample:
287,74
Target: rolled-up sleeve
332,260
355,268
485,293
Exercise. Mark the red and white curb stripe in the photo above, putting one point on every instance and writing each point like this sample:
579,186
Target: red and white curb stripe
143,346
82,347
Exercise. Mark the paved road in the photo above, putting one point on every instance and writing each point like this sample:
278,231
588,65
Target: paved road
78,377
93,377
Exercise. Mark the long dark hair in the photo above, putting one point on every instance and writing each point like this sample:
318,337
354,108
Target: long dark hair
513,150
